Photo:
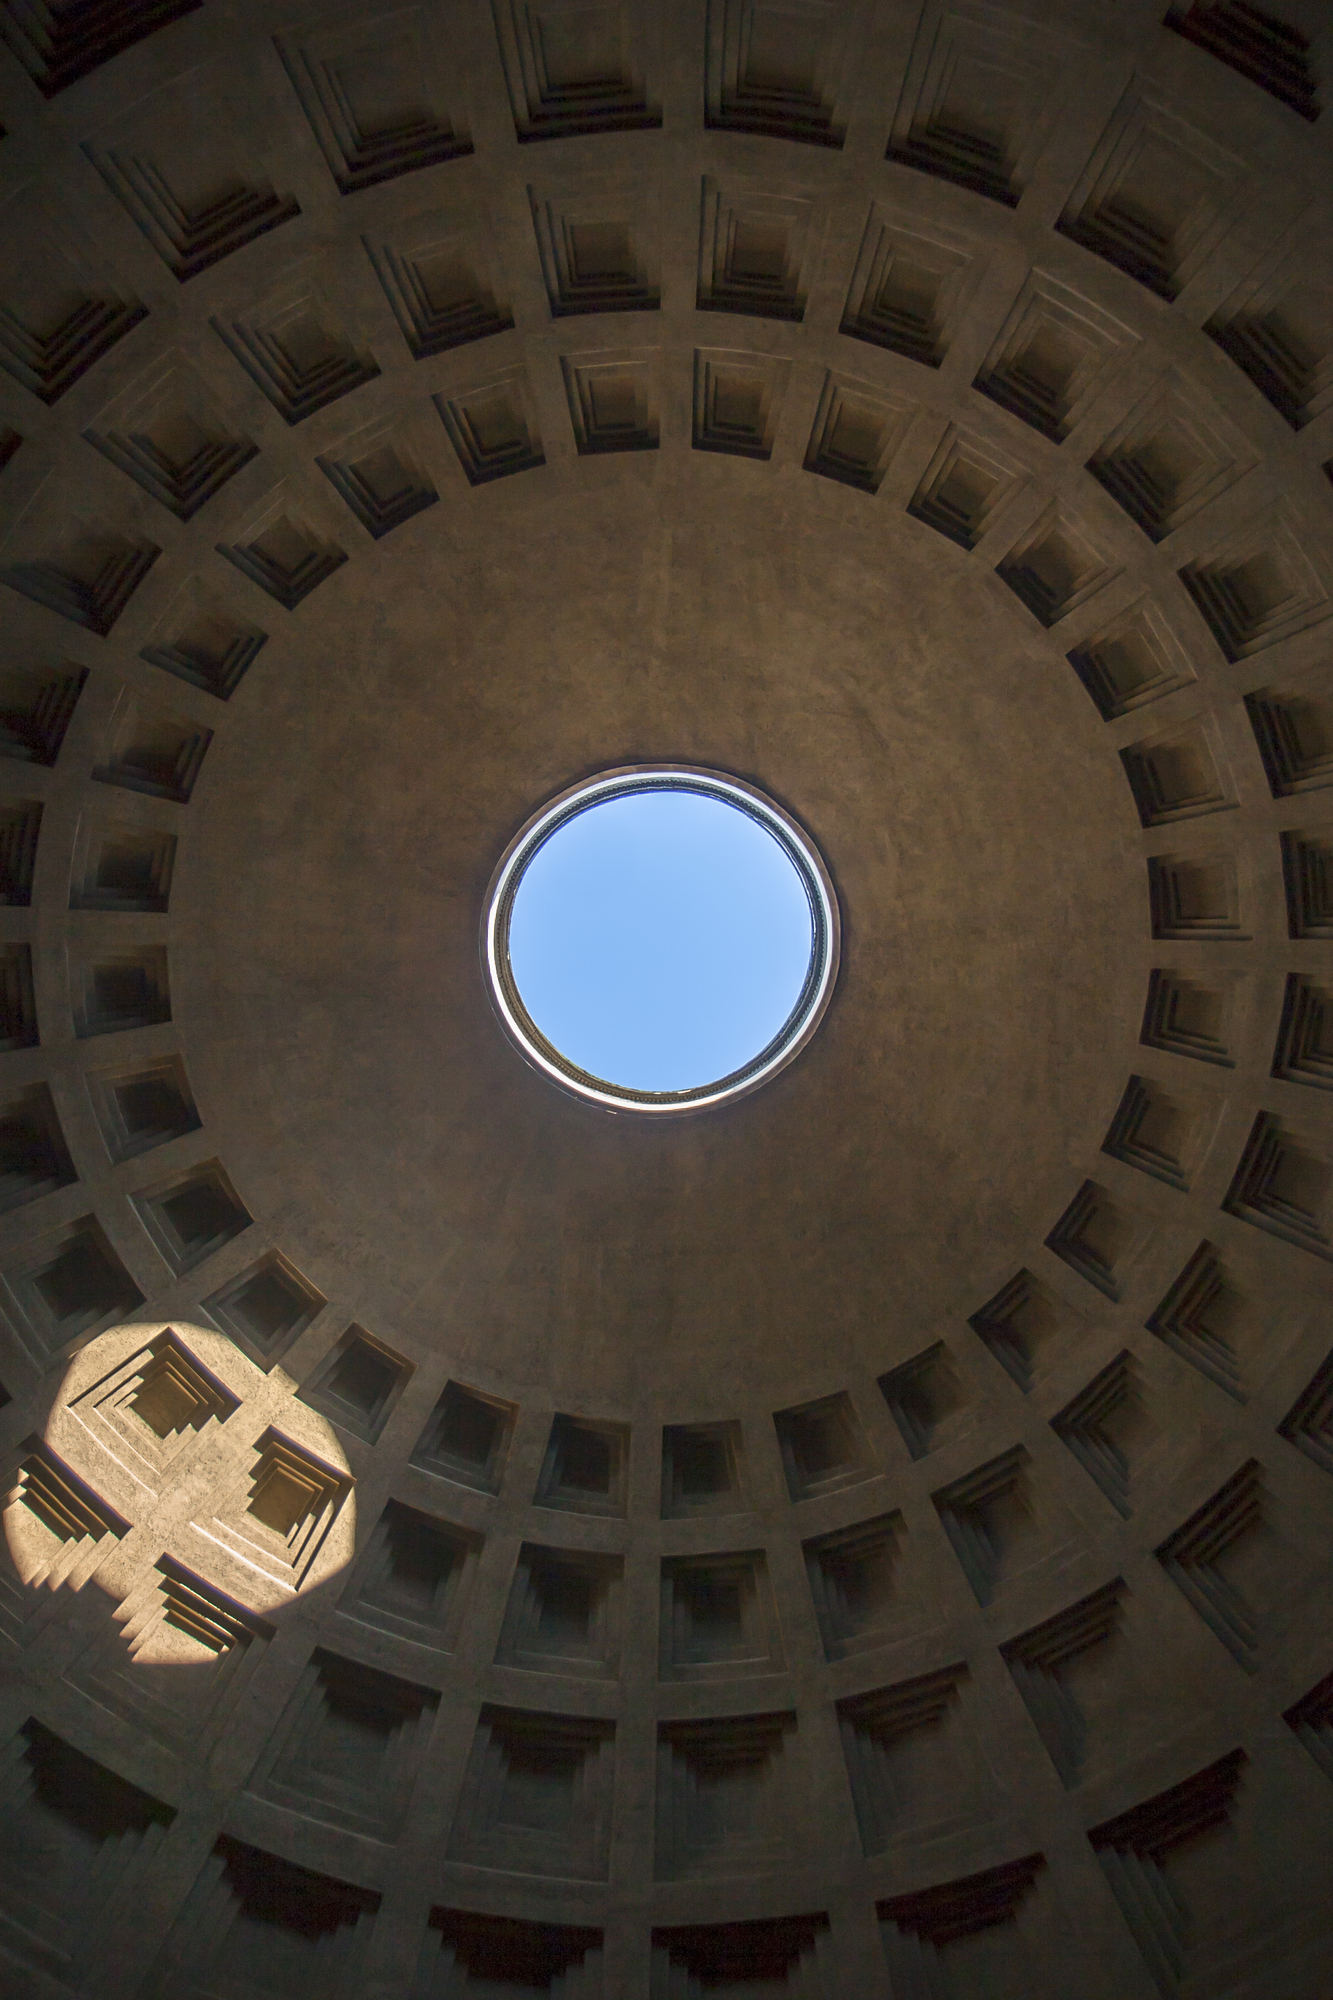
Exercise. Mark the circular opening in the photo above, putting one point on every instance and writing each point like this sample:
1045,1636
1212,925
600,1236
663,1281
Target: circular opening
661,938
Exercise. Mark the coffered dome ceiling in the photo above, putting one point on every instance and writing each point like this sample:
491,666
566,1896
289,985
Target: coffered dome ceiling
868,1540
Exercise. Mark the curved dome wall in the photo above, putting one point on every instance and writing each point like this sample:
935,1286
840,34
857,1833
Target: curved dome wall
868,1540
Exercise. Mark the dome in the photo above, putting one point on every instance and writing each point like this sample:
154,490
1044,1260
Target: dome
867,1539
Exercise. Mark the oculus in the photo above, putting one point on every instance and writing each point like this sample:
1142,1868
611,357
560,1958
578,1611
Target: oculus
660,939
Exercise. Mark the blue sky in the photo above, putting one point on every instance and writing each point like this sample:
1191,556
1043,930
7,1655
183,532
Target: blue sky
660,940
